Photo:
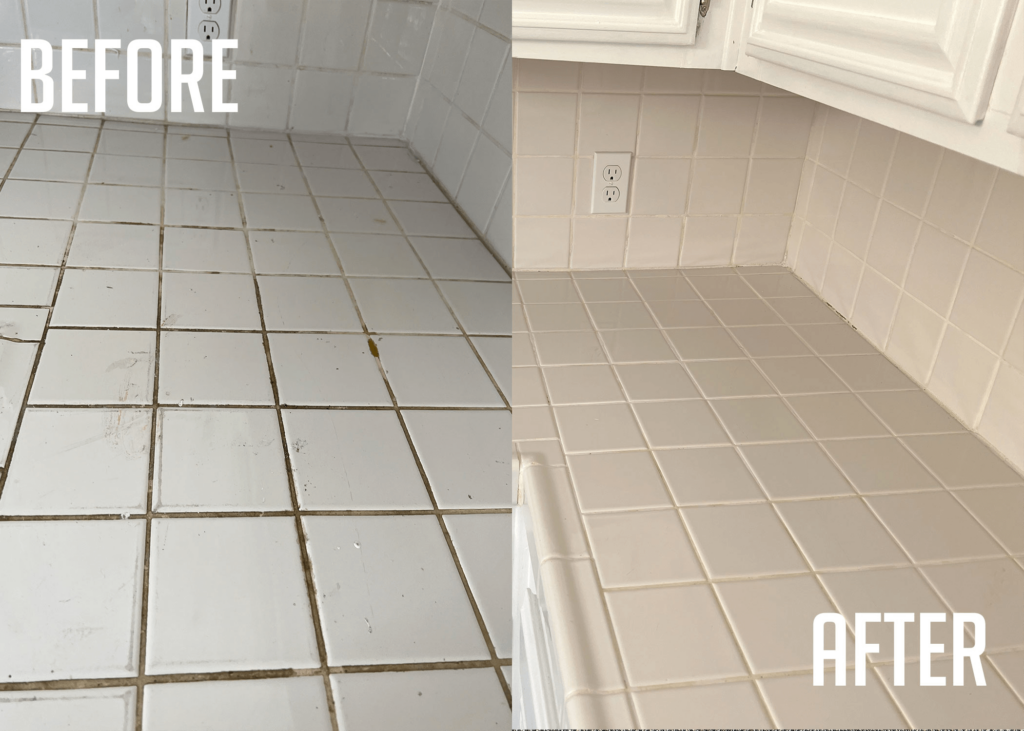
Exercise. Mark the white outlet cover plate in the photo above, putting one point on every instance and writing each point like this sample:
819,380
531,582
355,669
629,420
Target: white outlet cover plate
194,16
601,160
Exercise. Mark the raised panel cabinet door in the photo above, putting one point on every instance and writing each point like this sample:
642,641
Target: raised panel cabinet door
608,23
938,55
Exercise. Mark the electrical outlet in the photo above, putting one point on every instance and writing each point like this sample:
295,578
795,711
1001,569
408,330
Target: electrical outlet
209,30
611,182
208,20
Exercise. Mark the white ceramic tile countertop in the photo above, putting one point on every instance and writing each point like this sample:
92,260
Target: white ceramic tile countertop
720,457
254,430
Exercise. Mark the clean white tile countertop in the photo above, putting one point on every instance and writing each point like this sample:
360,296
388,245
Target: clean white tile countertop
712,457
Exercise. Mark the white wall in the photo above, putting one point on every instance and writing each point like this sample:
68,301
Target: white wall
332,66
461,119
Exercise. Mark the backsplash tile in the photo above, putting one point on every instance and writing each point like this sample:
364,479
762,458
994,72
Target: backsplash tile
931,272
716,171
319,66
460,120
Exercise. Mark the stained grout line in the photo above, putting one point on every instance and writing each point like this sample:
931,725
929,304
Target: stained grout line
228,514
154,427
228,675
419,464
300,529
301,275
290,407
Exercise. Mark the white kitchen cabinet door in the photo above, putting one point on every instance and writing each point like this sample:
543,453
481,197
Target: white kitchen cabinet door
609,31
937,55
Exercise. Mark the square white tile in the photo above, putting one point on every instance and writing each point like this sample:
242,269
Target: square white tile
326,370
227,594
283,252
201,208
641,549
33,241
280,212
598,479
219,460
46,137
200,175
430,219
435,371
404,600
16,362
387,159
122,204
35,199
103,298
455,700
213,368
708,475
743,540
680,424
352,460
482,307
375,255
933,526
23,323
320,155
95,367
497,356
402,306
770,618
838,534
307,303
353,215
673,634
337,183
197,147
115,245
399,186
795,470
136,144
107,708
79,462
458,259
254,177
464,454
719,705
270,152
205,250
27,286
209,302
119,170
288,704
485,554
79,579
69,167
